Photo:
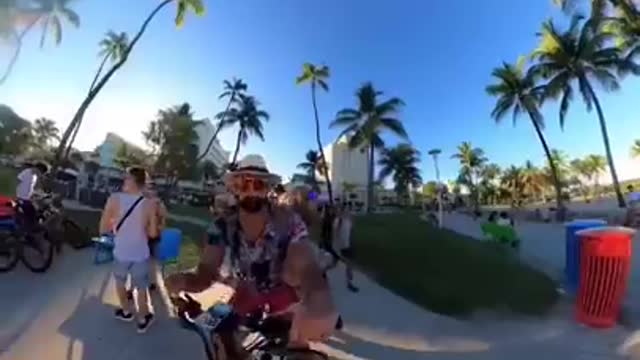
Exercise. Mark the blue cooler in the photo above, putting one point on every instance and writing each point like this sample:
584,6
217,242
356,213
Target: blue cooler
572,251
169,246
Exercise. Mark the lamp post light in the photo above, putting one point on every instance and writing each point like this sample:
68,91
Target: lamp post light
434,154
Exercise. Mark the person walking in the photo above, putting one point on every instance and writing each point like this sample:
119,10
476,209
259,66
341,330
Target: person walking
135,222
343,225
160,213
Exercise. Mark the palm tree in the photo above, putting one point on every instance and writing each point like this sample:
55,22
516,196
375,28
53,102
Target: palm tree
45,131
598,7
635,149
13,15
113,47
581,55
183,6
232,90
317,76
54,13
534,181
516,93
401,162
249,120
312,165
597,164
366,123
471,163
488,174
513,180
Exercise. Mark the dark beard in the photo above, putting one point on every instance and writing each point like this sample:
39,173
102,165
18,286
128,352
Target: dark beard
252,204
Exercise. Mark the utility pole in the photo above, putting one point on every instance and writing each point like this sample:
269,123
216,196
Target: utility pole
434,154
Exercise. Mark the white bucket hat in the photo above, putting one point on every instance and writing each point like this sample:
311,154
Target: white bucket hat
254,165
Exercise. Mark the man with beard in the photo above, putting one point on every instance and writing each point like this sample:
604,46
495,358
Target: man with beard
269,263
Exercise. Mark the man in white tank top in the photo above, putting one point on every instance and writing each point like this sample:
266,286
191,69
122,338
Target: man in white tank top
132,222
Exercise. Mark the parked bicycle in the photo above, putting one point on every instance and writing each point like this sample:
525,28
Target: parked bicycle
24,238
61,228
264,337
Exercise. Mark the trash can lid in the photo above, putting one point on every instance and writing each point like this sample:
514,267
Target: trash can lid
614,229
579,222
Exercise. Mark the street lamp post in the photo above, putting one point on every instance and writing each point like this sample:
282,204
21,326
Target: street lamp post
434,154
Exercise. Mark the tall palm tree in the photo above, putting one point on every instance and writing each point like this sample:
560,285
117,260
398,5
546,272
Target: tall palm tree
365,125
44,132
112,47
317,76
635,149
471,162
401,162
312,165
578,57
232,90
182,7
54,13
515,90
249,119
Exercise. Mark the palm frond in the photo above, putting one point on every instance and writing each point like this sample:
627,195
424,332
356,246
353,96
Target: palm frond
564,104
395,126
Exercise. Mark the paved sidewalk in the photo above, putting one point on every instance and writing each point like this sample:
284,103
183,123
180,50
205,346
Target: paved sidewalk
66,314
543,247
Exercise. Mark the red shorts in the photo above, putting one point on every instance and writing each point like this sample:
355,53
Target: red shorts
246,301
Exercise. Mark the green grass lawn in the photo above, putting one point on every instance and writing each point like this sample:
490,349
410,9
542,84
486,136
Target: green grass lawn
8,181
200,212
191,241
446,272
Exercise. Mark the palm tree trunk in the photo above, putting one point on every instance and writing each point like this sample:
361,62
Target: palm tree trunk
325,167
16,53
607,146
101,83
370,176
215,134
235,153
73,138
102,64
561,211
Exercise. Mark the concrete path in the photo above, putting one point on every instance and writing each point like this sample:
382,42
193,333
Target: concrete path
66,314
543,246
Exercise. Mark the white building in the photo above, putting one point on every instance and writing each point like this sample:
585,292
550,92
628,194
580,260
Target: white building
217,155
347,171
109,148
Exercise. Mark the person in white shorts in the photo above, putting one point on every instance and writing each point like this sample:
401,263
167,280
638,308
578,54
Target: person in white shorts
132,220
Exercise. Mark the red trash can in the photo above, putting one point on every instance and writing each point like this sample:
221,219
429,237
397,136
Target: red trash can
604,270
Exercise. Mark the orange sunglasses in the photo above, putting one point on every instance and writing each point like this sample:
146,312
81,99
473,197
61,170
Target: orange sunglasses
249,183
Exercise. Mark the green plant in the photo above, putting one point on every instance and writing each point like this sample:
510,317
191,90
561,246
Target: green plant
366,123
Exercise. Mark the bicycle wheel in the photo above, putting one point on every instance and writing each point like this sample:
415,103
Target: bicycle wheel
77,237
9,254
299,354
37,251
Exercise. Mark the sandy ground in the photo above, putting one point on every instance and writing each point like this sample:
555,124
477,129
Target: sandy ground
66,314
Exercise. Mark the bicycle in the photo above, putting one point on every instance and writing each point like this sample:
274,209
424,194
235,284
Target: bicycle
264,337
51,215
20,234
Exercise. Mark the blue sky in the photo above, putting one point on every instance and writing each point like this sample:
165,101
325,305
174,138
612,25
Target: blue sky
436,55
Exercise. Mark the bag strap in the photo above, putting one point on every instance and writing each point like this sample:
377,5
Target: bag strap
129,211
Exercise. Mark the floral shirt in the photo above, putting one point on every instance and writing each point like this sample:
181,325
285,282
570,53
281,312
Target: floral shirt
261,261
